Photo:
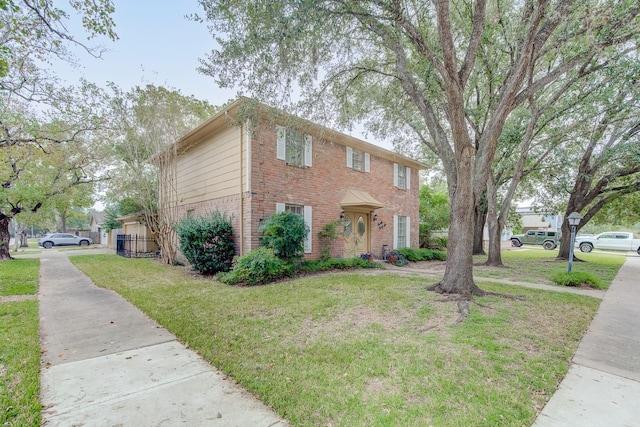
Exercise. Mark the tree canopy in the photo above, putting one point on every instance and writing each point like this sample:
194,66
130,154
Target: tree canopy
46,154
148,120
600,157
417,67
50,137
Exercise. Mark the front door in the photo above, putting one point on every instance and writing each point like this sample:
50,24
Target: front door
356,233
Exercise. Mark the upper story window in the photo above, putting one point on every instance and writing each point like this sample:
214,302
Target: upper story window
401,176
358,160
293,146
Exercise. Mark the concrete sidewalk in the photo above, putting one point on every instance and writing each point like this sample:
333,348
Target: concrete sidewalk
602,387
107,364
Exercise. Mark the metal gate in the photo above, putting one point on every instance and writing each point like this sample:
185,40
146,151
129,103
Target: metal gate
134,246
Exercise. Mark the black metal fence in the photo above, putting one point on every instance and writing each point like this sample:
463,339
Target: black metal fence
134,246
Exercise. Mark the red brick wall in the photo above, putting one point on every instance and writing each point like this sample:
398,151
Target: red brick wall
323,186
227,205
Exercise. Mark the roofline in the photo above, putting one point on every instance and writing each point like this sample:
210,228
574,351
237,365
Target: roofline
228,113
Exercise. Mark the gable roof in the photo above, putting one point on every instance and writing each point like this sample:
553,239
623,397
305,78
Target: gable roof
229,116
97,218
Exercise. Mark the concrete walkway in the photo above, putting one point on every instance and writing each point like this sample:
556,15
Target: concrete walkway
107,364
602,387
437,273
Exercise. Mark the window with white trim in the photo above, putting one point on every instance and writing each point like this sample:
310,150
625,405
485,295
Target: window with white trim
401,230
293,146
296,209
358,160
306,213
401,176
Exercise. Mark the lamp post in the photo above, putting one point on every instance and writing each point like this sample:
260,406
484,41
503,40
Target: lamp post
574,219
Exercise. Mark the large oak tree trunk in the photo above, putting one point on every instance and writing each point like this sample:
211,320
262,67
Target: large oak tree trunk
495,222
458,276
4,238
495,250
478,228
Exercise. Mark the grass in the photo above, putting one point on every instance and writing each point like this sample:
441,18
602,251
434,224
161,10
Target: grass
19,277
32,248
76,248
539,266
577,278
366,348
19,345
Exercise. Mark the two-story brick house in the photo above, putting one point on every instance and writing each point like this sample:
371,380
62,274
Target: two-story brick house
254,168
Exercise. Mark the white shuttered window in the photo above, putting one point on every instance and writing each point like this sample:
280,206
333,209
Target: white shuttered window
401,176
401,231
294,147
358,160
306,212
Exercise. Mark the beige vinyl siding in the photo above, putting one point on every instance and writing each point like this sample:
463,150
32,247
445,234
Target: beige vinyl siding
134,228
211,169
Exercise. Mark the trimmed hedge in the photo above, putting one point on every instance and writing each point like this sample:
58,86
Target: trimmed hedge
415,255
577,278
284,233
207,242
314,266
262,266
257,267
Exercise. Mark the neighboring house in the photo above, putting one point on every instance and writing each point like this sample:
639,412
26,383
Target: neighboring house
134,225
282,163
534,219
112,238
135,239
98,234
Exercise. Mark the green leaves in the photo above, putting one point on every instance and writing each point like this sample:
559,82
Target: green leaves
577,279
207,242
258,267
97,17
434,212
284,233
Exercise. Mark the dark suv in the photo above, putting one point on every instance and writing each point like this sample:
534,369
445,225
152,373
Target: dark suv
548,239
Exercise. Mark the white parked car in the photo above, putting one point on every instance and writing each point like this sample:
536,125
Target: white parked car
611,240
63,239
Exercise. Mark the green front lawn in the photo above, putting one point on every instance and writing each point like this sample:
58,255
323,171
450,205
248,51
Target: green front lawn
19,345
19,363
538,266
19,277
365,348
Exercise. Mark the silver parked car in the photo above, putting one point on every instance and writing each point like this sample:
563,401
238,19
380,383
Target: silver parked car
63,239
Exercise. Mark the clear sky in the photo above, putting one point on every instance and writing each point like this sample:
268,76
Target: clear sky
157,45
